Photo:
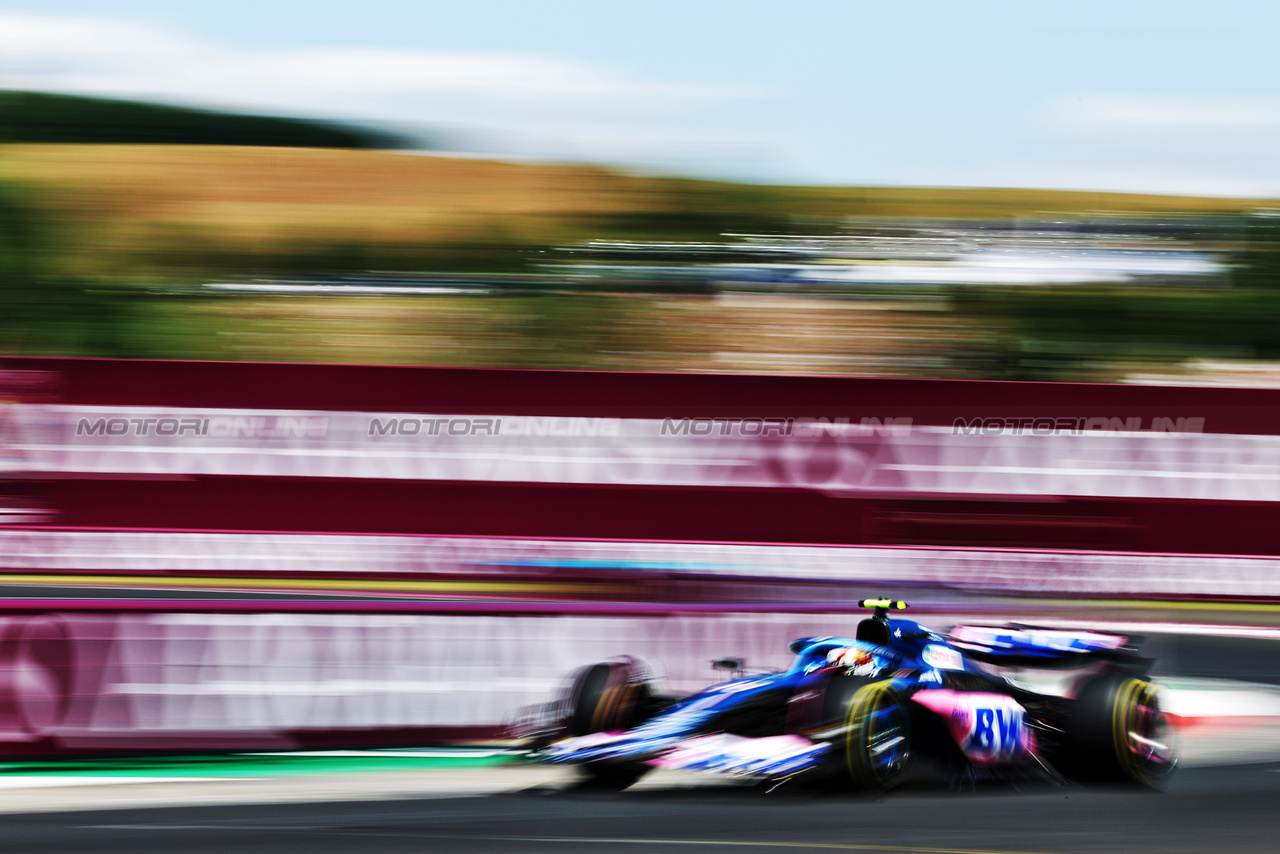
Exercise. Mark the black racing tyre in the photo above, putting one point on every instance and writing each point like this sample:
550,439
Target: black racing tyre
609,696
613,695
1118,733
877,746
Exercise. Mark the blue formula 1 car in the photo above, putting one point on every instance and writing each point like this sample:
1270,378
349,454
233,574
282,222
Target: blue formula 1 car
898,700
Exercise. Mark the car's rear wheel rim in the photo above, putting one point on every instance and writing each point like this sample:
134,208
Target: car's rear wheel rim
1145,743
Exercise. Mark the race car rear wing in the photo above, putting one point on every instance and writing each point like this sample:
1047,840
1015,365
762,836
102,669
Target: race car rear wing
1031,646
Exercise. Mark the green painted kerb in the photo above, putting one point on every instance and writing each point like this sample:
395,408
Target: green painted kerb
256,765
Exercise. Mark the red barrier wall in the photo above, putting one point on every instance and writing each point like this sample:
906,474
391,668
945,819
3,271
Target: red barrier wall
247,385
903,474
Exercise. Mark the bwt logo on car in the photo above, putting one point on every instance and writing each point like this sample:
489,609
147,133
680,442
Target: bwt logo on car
998,731
1044,426
217,427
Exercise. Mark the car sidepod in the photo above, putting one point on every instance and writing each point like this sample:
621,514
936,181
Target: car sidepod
987,728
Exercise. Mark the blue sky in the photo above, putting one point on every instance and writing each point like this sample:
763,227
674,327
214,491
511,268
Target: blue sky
1153,96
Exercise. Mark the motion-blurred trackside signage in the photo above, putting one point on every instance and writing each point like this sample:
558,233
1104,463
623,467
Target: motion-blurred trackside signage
1074,426
1171,456
219,427
507,426
799,427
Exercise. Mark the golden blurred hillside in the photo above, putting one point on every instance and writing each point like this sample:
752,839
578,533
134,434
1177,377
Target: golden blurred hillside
150,200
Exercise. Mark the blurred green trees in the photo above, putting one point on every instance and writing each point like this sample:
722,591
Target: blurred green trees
42,309
41,117
1102,332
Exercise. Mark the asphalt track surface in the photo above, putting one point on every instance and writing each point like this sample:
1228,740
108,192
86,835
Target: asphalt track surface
1228,809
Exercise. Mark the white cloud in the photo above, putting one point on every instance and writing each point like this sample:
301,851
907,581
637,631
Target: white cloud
1164,113
1106,177
1192,144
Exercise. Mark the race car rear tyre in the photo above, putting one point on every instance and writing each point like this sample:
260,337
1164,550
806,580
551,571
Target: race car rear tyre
606,697
877,743
1118,733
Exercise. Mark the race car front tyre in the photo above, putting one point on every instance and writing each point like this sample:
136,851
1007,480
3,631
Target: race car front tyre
1118,733
606,697
609,696
877,745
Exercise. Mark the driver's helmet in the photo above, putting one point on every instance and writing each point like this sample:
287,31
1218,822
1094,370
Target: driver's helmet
854,660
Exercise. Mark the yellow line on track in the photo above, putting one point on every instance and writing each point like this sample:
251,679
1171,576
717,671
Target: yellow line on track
307,583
